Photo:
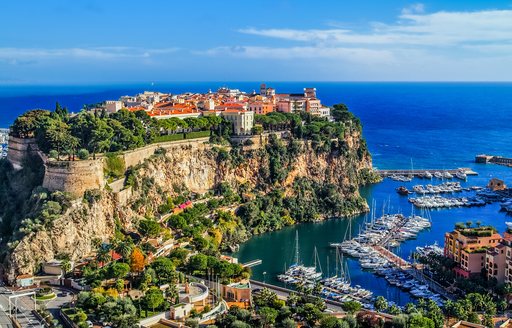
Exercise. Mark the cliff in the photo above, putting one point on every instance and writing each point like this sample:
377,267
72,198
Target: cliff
197,167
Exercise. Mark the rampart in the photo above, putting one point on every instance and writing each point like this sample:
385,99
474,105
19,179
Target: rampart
74,177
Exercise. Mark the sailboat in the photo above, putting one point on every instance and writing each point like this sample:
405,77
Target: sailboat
299,273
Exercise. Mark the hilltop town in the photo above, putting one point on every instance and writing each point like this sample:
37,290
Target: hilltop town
234,105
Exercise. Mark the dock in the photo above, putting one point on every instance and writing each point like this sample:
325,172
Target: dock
484,159
252,263
421,172
393,258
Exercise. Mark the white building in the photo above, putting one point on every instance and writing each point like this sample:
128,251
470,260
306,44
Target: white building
243,121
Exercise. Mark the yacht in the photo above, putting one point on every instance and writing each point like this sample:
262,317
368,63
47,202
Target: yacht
461,175
447,175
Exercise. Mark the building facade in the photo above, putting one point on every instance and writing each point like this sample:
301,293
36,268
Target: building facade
468,248
241,120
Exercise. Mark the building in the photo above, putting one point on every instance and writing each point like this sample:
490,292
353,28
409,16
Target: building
237,293
113,106
242,121
310,92
24,280
180,311
496,184
54,267
496,262
468,247
261,107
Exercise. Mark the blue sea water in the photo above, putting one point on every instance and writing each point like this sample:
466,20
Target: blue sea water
427,125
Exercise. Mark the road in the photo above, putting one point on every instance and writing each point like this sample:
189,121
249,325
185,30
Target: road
283,294
25,305
54,305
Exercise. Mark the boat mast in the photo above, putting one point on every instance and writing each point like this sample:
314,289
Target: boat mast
337,255
297,255
328,269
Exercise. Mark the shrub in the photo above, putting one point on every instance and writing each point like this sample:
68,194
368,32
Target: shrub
114,166
83,154
53,154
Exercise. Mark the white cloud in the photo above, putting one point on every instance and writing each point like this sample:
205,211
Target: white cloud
412,28
361,55
416,8
465,46
20,55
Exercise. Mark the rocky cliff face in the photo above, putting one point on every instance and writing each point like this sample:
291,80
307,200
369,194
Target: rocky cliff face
197,169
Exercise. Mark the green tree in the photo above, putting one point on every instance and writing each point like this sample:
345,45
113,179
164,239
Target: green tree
394,310
118,270
380,304
164,270
351,306
149,228
198,262
65,265
416,320
153,298
311,313
410,308
268,316
124,248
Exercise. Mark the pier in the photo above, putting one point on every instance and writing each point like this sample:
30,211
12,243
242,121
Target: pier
252,263
484,159
421,172
392,258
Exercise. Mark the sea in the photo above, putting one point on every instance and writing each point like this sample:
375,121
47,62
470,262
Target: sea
419,125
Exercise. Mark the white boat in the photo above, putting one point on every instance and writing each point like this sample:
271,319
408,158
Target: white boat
447,175
461,175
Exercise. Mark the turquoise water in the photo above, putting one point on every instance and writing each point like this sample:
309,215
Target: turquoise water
436,125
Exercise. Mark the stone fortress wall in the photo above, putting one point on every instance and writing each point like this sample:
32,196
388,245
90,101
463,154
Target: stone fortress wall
76,177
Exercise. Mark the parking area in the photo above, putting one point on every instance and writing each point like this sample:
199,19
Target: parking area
25,305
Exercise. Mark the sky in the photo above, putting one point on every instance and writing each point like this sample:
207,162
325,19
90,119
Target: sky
114,41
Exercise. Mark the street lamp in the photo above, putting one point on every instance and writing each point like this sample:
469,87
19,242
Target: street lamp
264,277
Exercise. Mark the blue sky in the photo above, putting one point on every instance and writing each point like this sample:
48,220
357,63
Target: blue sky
76,42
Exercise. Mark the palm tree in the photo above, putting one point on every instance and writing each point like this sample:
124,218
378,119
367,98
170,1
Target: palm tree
103,255
125,249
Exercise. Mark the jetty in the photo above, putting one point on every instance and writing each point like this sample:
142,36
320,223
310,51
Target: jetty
252,263
484,159
421,172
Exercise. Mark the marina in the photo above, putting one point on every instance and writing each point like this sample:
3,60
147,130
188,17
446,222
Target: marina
372,247
337,287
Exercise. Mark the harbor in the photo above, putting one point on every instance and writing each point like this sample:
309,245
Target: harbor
373,248
274,248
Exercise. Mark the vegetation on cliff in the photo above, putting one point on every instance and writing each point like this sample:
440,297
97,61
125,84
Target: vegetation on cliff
60,134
